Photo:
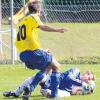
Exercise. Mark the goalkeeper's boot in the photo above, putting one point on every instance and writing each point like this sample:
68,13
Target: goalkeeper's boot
26,93
9,93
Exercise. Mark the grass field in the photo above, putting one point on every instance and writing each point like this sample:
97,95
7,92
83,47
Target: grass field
12,75
82,39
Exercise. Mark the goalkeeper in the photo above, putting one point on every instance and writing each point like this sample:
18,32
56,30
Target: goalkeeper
73,82
70,83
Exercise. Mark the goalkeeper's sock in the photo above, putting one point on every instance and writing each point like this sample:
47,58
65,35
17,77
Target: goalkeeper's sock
55,81
20,89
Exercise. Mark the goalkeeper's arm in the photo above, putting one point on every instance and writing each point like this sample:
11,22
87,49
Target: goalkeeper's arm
74,81
80,90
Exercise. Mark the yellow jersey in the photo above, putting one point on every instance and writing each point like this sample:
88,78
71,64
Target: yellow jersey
27,36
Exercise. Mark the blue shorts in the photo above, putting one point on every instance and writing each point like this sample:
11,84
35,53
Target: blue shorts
37,59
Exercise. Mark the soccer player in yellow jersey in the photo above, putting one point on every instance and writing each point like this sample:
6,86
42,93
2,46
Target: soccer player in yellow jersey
27,43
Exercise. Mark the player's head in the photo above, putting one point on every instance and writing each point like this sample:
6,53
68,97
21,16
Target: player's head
87,76
34,6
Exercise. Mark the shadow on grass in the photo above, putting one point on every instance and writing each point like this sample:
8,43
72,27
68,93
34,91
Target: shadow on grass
34,97
11,98
37,97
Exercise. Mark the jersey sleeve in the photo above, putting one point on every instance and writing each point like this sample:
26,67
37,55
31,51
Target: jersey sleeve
74,77
36,21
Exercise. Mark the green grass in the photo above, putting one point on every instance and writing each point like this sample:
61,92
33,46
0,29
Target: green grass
82,39
12,75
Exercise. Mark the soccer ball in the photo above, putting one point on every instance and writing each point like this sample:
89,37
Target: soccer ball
92,86
85,88
88,87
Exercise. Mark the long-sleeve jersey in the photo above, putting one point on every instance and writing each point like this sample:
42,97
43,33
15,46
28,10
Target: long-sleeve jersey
68,79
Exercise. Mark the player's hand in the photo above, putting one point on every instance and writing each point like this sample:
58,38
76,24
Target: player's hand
62,30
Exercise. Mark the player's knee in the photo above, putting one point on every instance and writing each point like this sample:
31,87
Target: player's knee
56,67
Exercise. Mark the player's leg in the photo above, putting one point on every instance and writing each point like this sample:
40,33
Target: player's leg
20,89
40,59
40,76
55,78
46,84
28,90
29,81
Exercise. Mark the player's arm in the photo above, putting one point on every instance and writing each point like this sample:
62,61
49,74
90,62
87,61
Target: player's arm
73,73
74,81
43,27
52,29
76,90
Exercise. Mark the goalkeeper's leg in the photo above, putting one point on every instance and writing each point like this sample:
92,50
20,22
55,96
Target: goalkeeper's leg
20,89
27,82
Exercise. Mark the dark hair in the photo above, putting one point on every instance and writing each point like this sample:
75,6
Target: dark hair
31,7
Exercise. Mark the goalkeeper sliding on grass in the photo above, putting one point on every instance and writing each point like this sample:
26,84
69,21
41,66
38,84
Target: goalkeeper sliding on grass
71,83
